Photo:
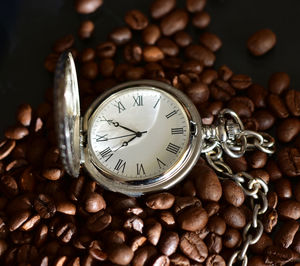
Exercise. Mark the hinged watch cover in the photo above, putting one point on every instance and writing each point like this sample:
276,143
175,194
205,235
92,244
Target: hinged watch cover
67,113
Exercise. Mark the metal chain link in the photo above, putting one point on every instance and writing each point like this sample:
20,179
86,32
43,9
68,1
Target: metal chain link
228,135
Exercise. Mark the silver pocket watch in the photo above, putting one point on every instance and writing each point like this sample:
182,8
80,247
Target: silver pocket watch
139,136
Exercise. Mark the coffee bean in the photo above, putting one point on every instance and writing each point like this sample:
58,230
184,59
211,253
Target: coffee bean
175,21
233,193
87,6
269,220
296,242
3,247
98,221
52,173
264,118
167,219
135,73
211,41
134,223
285,235
86,29
160,201
24,113
257,159
151,34
279,82
242,105
277,106
198,92
17,220
283,188
192,218
213,243
234,217
65,232
201,54
232,238
66,207
237,164
213,260
257,94
261,42
152,54
31,223
292,101
240,81
221,90
161,260
121,35
193,247
153,231
201,20
6,147
106,67
9,186
272,199
183,202
136,20
168,243
207,183
216,225
260,246
16,132
44,206
106,50
288,129
278,255
160,8
143,255
289,161
208,76
120,254
195,5
182,38
212,208
94,202
273,170
41,235
289,209
63,44
179,260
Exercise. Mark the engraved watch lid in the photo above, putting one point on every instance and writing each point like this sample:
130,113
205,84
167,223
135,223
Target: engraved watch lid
67,113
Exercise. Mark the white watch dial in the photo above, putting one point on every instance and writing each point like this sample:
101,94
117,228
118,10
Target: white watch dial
139,133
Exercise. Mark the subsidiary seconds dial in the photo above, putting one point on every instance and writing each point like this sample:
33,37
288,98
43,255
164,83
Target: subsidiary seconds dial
139,133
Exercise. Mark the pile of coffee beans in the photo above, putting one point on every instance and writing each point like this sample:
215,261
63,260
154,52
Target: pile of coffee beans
50,218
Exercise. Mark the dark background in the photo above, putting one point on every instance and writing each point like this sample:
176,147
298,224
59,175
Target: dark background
29,27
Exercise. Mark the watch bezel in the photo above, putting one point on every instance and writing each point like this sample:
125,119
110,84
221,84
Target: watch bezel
163,181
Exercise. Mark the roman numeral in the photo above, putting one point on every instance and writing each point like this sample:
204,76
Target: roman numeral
172,148
160,163
120,106
156,103
106,153
139,169
171,114
138,101
177,130
101,138
120,165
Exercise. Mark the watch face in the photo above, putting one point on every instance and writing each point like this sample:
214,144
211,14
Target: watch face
139,133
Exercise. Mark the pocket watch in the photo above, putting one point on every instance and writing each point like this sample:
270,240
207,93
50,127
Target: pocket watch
137,137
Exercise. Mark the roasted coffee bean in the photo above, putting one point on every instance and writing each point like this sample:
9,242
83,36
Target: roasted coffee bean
272,199
168,243
192,218
182,38
279,82
237,164
277,106
257,159
289,209
3,247
212,208
66,207
121,35
179,260
193,247
16,132
143,255
168,47
288,129
152,54
183,202
208,76
94,202
151,34
89,70
63,44
41,235
135,73
198,92
201,20
213,260
240,81
221,91
258,95
269,220
283,188
213,243
161,260
261,42
278,255
207,183
87,6
52,173
296,242
6,147
134,223
225,73
106,67
175,21
98,221
289,161
201,54
65,232
120,254
257,261
285,235
242,105
233,193
137,242
273,170
17,220
234,217
232,238
167,219
264,118
211,41
216,225
106,50
44,206
9,186
260,246
195,5
160,8
51,61
86,29
153,231
136,20
31,223
160,201
292,101
24,114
